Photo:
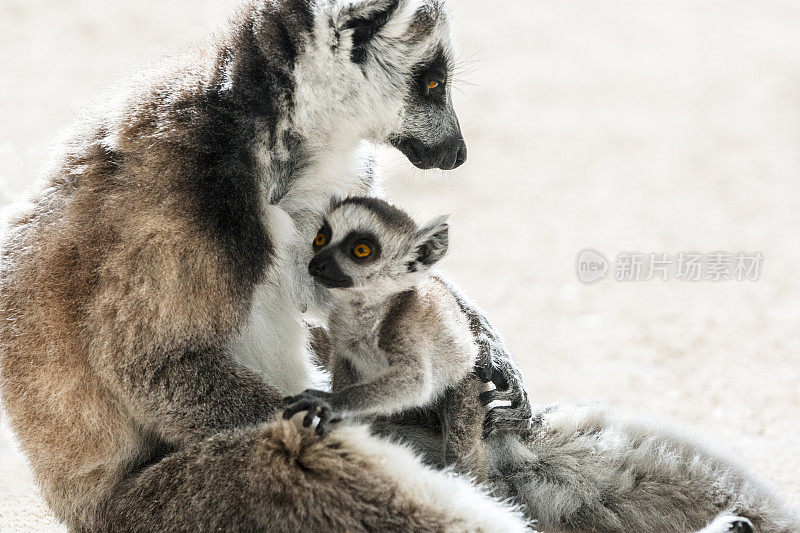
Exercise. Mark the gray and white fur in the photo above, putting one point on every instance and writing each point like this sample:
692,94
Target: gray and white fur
152,292
401,343
388,370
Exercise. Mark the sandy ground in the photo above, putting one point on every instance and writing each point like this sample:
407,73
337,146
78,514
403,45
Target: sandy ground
623,126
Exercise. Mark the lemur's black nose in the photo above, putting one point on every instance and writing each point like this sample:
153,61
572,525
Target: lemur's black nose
446,155
324,269
316,266
453,154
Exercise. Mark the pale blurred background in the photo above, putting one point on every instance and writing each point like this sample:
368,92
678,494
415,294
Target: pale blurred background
643,125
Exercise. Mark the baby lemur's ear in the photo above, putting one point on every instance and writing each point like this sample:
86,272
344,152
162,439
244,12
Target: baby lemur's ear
431,244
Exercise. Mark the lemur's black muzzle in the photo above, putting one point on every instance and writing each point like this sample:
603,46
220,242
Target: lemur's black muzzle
446,155
327,272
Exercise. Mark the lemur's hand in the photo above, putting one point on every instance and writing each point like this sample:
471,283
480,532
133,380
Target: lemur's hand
496,365
317,404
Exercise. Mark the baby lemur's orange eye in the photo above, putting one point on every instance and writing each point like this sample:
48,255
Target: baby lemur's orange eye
361,251
433,84
320,239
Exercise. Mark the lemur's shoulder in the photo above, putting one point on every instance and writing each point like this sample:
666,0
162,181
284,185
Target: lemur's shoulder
427,314
440,294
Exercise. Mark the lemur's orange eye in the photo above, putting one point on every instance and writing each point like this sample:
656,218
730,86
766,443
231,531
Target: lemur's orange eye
433,84
320,239
361,251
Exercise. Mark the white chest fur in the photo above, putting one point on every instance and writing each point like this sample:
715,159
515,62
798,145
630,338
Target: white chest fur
274,341
354,335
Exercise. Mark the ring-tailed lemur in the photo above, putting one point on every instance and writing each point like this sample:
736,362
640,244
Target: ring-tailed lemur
152,293
400,341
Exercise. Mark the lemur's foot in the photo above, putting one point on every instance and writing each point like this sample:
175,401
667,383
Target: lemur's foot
496,366
501,370
316,403
729,524
513,417
740,525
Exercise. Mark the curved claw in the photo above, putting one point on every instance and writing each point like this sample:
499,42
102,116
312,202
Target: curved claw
311,414
514,395
326,417
316,405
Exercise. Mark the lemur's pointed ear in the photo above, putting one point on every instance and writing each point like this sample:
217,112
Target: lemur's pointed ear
431,244
365,18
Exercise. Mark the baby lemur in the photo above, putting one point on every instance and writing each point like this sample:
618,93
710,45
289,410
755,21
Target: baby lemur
400,342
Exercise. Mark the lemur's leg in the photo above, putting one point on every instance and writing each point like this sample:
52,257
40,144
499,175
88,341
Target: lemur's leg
278,477
462,420
496,365
728,523
424,440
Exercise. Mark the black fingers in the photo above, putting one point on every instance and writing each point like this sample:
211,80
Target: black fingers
296,407
485,373
311,414
515,417
515,396
316,405
500,376
489,396
496,367
326,416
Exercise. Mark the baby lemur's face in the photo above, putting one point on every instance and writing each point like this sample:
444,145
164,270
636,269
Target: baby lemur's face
366,243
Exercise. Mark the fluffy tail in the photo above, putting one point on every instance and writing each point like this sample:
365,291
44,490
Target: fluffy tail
279,477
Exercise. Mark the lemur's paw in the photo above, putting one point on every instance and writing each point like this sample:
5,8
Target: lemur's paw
730,524
513,415
496,366
316,403
740,525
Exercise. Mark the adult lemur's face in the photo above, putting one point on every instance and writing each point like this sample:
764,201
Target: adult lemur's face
388,76
430,136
